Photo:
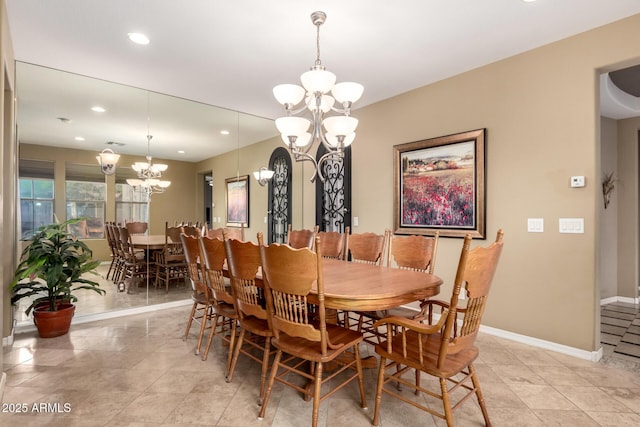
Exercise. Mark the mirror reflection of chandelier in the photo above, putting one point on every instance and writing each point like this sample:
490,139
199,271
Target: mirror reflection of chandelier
149,174
299,133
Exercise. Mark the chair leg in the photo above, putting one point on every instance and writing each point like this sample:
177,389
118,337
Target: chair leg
203,326
380,383
446,402
232,343
265,367
317,385
212,333
193,312
356,354
272,377
236,353
476,386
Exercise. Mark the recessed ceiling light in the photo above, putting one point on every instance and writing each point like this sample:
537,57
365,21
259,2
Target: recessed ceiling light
98,109
180,151
224,132
138,38
79,138
528,1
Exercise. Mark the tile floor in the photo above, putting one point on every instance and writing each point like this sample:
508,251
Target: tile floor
138,370
620,334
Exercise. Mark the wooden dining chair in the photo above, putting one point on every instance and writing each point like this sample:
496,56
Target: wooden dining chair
225,317
416,253
201,312
367,248
231,233
444,349
243,260
334,243
191,230
301,238
171,264
304,336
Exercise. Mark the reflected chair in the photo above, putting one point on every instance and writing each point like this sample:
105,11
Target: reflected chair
171,264
446,349
243,259
334,244
298,239
224,316
289,275
113,247
201,311
136,227
134,265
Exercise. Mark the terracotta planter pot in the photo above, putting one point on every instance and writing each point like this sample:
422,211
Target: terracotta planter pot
53,323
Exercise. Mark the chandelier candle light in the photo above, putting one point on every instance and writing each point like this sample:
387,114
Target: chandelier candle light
299,133
107,160
263,176
149,174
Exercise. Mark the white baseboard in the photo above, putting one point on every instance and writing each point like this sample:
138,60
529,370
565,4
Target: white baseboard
592,356
627,300
8,341
86,318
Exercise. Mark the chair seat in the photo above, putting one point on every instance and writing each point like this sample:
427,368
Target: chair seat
257,326
454,363
225,310
200,298
311,350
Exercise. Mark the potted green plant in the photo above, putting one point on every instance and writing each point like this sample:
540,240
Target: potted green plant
51,268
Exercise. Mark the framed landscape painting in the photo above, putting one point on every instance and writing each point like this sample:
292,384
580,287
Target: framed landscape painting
237,201
439,185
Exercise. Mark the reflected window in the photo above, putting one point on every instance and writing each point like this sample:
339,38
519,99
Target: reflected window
131,205
85,192
36,195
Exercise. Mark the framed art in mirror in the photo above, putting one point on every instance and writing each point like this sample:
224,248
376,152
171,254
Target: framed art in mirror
237,201
439,184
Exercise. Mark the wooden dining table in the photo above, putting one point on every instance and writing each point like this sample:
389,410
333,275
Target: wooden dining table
356,286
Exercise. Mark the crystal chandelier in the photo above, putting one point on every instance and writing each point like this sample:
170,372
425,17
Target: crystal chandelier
149,175
299,133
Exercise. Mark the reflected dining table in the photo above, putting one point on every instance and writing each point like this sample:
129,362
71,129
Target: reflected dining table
148,242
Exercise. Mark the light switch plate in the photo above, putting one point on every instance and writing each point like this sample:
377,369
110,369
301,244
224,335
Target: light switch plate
571,225
535,225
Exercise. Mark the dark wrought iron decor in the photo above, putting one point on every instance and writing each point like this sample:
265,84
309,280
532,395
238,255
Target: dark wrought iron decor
279,195
333,196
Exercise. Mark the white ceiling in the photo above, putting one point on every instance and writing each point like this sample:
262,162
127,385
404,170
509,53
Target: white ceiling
232,53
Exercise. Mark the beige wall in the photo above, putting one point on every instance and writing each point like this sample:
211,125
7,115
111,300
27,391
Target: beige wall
608,230
8,178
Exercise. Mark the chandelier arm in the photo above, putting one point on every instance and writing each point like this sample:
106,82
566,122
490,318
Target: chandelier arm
324,158
300,156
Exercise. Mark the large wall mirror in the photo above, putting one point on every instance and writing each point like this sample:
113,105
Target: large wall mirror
59,136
